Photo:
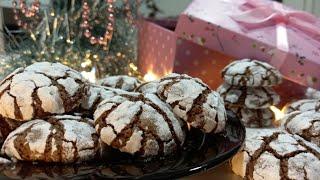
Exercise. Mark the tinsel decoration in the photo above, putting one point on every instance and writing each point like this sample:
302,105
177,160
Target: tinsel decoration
96,36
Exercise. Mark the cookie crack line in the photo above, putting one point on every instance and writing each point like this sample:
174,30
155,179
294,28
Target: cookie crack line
265,147
69,101
255,156
159,110
305,133
138,89
119,84
37,104
22,149
247,74
9,77
135,121
284,160
289,119
101,120
196,109
123,137
58,127
17,110
269,72
64,95
310,150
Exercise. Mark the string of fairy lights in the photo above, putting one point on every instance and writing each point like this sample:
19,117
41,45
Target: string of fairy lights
74,33
32,12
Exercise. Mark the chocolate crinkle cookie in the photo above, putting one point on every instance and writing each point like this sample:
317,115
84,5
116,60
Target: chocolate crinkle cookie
251,97
148,87
254,118
272,154
96,94
139,124
304,105
123,82
7,126
62,139
194,102
41,90
304,124
251,73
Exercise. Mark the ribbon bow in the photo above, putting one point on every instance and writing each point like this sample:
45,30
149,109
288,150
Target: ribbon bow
258,14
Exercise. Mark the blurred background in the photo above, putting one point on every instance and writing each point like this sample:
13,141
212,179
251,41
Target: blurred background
158,8
168,8
173,7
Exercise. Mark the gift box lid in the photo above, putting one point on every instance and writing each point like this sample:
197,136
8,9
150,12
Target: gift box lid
259,29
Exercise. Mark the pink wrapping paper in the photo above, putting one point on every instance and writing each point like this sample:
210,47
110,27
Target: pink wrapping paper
205,41
161,52
209,24
157,48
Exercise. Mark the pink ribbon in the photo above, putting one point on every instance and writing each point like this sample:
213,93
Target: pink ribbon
259,14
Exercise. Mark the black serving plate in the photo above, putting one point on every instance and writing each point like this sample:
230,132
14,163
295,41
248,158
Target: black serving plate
200,153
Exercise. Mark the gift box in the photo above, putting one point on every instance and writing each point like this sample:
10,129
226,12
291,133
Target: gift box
211,34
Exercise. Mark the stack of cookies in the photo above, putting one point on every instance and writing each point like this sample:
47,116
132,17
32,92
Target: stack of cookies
50,113
247,91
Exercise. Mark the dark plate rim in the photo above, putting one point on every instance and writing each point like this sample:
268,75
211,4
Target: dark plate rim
207,165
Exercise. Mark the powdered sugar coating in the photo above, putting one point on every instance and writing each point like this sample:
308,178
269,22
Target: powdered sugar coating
253,98
139,124
7,126
64,139
254,118
97,94
304,124
272,154
148,87
123,82
304,105
251,73
40,90
194,102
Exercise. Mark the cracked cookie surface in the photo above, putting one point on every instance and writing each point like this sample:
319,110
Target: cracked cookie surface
148,87
254,118
194,102
139,124
304,105
253,98
304,124
40,90
123,82
61,139
272,154
97,94
251,73
7,126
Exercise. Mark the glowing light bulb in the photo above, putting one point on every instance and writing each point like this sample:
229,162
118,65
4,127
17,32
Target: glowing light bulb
150,76
279,114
